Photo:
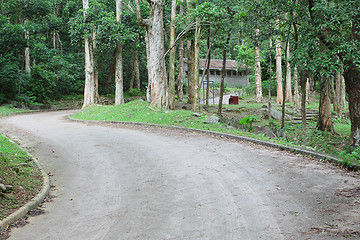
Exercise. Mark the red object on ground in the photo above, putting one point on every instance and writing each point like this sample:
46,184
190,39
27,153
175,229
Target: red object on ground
234,100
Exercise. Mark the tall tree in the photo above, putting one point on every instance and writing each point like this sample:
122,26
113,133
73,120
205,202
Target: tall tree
89,98
259,96
119,79
172,56
279,98
156,59
288,77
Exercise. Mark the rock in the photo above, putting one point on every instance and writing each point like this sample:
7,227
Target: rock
212,120
196,114
2,187
277,115
269,133
168,111
280,134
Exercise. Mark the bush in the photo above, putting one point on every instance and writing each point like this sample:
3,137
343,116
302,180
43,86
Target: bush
41,84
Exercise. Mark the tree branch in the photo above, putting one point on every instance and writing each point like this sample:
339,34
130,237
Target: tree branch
141,21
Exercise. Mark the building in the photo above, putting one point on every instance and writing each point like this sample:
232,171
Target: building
235,76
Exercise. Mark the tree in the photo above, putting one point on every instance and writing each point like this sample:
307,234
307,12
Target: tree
155,53
259,96
340,34
172,57
119,80
279,98
89,97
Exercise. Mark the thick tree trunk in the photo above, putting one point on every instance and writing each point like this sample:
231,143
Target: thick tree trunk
288,77
172,57
119,79
89,97
352,81
180,77
325,119
159,87
279,98
89,90
296,89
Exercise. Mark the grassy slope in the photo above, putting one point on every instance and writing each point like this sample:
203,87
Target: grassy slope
18,170
139,111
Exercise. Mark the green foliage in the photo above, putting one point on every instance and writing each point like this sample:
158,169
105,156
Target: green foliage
350,156
41,84
137,92
249,120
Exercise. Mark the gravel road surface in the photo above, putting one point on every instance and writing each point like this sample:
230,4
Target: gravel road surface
125,182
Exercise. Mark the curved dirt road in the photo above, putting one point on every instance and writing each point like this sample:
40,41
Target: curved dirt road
113,182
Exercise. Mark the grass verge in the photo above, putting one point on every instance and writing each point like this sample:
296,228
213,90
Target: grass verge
140,111
18,170
10,110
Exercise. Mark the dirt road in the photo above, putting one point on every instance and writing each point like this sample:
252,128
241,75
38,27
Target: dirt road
113,182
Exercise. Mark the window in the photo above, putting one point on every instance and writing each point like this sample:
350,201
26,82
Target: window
211,72
218,72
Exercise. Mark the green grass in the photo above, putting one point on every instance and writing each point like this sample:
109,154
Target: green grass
18,170
140,111
9,110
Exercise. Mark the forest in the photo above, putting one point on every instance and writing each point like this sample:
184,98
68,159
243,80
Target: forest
102,48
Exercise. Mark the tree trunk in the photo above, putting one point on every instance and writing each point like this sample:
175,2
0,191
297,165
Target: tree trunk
148,89
180,77
325,119
96,72
259,96
119,79
135,76
172,57
269,86
208,71
340,94
89,90
333,94
191,70
159,87
352,81
296,89
288,77
279,98
89,97
307,91
303,84
195,105
27,53
223,72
